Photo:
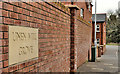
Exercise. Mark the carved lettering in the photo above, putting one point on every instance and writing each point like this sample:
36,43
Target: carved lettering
20,36
25,50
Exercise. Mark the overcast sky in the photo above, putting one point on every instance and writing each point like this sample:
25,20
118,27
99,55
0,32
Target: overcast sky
104,5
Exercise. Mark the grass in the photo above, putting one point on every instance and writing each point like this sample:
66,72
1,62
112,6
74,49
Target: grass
113,44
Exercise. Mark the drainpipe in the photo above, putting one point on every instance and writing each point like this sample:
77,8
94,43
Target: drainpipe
95,42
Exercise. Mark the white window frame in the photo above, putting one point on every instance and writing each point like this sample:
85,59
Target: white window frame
89,8
97,27
82,12
98,41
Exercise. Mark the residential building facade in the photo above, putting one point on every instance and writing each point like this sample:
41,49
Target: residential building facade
100,30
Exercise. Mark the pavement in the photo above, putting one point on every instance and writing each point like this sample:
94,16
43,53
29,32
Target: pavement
106,63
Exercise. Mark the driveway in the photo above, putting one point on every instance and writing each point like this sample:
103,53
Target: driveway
106,63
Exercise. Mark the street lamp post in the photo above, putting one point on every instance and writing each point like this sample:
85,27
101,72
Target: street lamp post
95,42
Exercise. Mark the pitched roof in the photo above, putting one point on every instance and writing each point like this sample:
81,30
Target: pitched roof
99,17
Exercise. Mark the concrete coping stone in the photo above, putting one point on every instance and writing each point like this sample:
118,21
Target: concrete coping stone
73,6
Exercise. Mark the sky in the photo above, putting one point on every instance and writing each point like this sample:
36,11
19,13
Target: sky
104,5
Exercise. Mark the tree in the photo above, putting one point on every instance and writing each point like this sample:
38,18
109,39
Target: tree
113,27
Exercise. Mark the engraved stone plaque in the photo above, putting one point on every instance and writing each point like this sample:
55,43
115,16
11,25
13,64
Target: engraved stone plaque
23,44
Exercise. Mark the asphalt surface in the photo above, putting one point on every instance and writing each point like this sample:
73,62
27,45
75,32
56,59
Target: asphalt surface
106,63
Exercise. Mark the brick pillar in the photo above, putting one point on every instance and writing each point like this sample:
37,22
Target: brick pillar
73,55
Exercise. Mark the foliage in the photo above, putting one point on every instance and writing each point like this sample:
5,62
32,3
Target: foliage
113,27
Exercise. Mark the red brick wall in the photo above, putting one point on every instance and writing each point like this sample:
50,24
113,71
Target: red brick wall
3,47
104,33
104,36
82,41
83,32
53,21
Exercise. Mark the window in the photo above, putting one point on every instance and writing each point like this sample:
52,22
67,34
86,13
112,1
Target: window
98,41
89,8
98,28
82,13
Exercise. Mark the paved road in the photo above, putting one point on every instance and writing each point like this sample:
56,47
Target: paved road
106,63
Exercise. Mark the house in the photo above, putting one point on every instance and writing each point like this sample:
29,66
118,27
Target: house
100,30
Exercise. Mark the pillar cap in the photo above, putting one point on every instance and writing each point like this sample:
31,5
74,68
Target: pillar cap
73,6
